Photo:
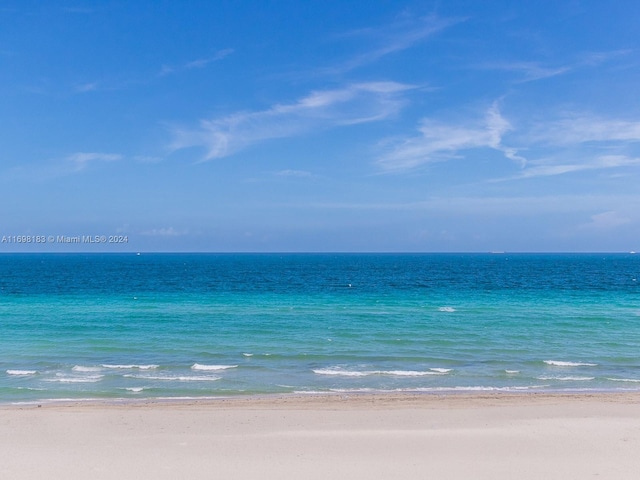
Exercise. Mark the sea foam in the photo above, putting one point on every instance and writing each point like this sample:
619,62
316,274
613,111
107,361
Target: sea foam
175,378
198,366
80,368
395,373
131,367
629,380
567,379
21,372
61,378
558,363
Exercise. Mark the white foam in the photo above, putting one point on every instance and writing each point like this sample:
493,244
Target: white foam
566,379
131,367
87,379
426,389
476,389
512,372
21,372
441,370
344,373
175,378
557,363
446,309
630,380
395,373
198,366
135,389
408,373
80,368
248,354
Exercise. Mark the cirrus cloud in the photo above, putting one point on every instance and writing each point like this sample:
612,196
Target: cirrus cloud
322,109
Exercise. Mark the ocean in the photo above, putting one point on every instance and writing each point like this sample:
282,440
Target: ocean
139,326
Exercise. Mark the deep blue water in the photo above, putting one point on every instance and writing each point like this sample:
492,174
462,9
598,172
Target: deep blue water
189,325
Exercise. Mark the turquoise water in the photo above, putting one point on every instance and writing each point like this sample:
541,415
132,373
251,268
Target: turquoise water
204,325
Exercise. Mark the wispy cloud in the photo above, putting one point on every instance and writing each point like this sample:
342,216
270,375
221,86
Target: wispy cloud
353,104
530,71
294,173
572,142
439,141
195,64
79,161
576,128
405,32
546,168
577,141
126,81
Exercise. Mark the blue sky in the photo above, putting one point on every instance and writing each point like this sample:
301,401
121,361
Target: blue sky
321,125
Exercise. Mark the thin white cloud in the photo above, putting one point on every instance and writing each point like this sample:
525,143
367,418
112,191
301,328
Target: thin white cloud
531,71
578,128
356,103
441,141
294,173
575,141
405,32
598,163
198,63
81,160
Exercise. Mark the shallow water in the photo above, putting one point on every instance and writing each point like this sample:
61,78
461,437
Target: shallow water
191,325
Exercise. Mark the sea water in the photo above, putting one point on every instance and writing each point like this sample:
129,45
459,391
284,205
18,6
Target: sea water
120,326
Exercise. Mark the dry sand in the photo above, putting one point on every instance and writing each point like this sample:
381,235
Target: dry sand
493,437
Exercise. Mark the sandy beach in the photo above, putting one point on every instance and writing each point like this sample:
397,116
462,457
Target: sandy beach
316,437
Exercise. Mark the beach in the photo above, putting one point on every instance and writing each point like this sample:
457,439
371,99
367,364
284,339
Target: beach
454,436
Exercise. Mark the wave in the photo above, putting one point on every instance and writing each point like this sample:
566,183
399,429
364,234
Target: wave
198,366
60,378
478,388
446,309
345,373
630,380
395,373
558,363
566,379
134,389
80,368
21,372
175,378
131,367
512,372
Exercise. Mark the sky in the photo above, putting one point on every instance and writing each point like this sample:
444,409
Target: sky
319,126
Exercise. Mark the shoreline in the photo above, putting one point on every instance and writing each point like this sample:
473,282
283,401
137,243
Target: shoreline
341,399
